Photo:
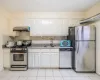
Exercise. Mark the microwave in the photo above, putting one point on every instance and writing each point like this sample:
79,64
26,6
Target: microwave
65,43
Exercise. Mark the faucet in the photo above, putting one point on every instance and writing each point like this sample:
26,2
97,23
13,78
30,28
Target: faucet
51,44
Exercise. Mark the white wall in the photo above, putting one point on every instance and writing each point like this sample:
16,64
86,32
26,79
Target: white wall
4,29
93,11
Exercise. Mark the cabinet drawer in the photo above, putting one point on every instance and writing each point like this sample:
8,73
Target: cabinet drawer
45,50
34,50
54,50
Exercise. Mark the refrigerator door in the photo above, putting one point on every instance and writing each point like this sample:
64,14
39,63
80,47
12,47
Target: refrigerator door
85,56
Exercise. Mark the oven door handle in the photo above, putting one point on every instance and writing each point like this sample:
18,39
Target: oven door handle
18,66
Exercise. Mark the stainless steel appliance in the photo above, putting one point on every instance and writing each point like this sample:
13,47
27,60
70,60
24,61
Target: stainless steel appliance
19,58
85,49
65,58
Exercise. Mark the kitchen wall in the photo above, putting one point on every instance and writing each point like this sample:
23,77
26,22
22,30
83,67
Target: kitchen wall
93,11
4,29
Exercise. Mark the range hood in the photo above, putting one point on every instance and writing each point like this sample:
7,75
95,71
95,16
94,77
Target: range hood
91,19
22,28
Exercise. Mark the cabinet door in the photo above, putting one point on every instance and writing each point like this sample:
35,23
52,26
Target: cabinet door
45,60
55,60
37,60
30,60
6,60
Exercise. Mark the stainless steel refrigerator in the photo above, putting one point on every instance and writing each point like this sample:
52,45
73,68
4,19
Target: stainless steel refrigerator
85,49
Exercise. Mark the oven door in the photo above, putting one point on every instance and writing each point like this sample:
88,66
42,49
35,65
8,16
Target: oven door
18,58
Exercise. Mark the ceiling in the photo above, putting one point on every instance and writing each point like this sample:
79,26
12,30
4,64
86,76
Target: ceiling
48,5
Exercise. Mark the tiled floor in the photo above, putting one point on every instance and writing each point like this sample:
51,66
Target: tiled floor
47,74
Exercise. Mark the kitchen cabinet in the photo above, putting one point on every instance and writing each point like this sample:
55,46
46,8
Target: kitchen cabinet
6,58
44,27
37,60
31,60
45,60
47,27
54,60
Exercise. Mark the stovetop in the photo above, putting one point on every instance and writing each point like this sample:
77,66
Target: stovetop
19,47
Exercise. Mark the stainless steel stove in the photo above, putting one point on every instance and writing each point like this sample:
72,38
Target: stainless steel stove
19,58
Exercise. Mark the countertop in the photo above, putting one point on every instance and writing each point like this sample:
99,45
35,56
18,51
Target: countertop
47,46
41,46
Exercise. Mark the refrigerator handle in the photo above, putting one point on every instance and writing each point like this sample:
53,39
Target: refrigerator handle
77,34
82,33
77,43
78,48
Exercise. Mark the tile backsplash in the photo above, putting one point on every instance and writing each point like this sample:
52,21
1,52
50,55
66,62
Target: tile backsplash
26,36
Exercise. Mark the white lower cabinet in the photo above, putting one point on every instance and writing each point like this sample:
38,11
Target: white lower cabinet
54,60
37,60
45,60
31,60
6,58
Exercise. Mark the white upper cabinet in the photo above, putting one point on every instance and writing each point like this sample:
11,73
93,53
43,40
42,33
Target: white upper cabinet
52,27
45,27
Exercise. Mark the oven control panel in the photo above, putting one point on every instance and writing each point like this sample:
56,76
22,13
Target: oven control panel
20,50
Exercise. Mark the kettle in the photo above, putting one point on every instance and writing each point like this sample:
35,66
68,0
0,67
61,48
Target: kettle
19,43
10,44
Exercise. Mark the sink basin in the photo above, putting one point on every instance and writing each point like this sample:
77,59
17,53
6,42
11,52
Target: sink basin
49,46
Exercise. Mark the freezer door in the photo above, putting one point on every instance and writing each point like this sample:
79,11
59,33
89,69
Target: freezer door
85,33
85,56
78,33
89,33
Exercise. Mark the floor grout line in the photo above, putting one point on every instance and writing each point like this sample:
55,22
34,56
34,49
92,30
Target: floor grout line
37,74
89,78
61,75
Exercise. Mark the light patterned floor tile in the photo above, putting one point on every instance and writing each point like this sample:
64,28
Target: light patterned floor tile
49,78
31,78
80,78
67,78
95,78
41,73
49,73
40,78
58,78
22,78
56,73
